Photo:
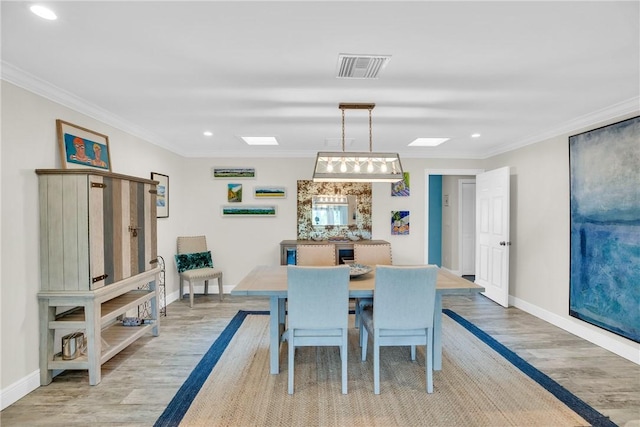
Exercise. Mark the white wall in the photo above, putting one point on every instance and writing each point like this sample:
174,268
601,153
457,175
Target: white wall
539,273
539,257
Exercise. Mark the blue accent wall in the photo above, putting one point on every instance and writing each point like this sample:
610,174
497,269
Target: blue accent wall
435,220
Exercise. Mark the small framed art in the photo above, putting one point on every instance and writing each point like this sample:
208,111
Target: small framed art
248,210
162,199
270,192
234,193
81,148
234,173
399,223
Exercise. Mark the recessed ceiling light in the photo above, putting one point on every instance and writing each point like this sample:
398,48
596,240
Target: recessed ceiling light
475,135
207,133
43,12
427,142
260,140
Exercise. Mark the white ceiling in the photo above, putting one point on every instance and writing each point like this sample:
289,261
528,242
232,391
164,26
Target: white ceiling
516,72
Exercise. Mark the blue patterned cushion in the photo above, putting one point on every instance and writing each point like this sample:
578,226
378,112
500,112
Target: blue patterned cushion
193,261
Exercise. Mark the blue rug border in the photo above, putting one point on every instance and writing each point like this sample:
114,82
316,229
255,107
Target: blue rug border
177,408
577,405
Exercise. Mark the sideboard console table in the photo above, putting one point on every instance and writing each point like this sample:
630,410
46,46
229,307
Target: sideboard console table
344,248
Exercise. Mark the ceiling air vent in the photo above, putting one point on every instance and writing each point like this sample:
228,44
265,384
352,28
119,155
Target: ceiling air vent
361,66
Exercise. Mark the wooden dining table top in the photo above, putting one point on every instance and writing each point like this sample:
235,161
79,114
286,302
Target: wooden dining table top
271,280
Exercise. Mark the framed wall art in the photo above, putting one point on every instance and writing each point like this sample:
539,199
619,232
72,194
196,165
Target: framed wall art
162,196
605,227
400,223
234,173
81,148
401,188
249,210
234,193
270,192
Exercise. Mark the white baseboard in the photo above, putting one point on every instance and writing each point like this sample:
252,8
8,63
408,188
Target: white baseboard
629,351
19,389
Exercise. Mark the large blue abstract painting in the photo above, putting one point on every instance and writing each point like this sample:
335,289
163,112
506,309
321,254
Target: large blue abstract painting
605,227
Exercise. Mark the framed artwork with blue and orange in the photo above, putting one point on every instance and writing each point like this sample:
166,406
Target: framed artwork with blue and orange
81,148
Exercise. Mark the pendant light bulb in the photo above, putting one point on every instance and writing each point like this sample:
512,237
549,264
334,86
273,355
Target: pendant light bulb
356,167
383,168
343,166
370,167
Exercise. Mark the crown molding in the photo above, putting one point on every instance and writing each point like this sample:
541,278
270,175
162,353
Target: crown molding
629,106
23,79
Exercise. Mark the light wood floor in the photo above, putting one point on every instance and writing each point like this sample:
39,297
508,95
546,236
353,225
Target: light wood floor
138,383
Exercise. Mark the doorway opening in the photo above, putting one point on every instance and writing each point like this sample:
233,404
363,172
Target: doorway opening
452,253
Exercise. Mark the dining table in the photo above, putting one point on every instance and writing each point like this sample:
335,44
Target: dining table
271,281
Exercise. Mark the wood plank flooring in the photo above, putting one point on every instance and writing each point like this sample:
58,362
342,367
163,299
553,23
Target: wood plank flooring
138,383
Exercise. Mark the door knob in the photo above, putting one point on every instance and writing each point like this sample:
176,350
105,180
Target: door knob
503,243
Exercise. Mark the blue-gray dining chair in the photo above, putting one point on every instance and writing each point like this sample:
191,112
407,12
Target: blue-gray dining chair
318,312
403,314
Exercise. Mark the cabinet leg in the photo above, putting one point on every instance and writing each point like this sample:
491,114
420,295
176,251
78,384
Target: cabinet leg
47,337
93,343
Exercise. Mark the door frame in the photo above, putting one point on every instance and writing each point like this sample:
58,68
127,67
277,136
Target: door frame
429,172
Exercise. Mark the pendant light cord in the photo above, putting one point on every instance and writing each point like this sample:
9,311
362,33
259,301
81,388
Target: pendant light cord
370,133
343,130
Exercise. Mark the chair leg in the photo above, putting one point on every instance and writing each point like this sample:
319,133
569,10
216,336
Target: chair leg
220,288
429,361
181,287
413,353
364,338
291,357
376,363
190,294
344,360
206,287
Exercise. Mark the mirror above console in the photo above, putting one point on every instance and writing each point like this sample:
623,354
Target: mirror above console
334,210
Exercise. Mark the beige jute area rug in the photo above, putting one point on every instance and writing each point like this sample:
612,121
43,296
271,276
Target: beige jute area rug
476,387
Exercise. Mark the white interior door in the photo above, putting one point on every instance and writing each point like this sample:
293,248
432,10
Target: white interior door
492,230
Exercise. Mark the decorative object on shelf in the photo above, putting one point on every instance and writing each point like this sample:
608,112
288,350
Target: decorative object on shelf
234,193
162,195
399,222
605,213
81,148
131,321
73,345
401,188
234,173
357,166
269,192
249,210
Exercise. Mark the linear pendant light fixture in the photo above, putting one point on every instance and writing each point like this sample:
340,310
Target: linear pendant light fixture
357,166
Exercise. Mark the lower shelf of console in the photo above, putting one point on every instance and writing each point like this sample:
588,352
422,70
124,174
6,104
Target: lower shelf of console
120,336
